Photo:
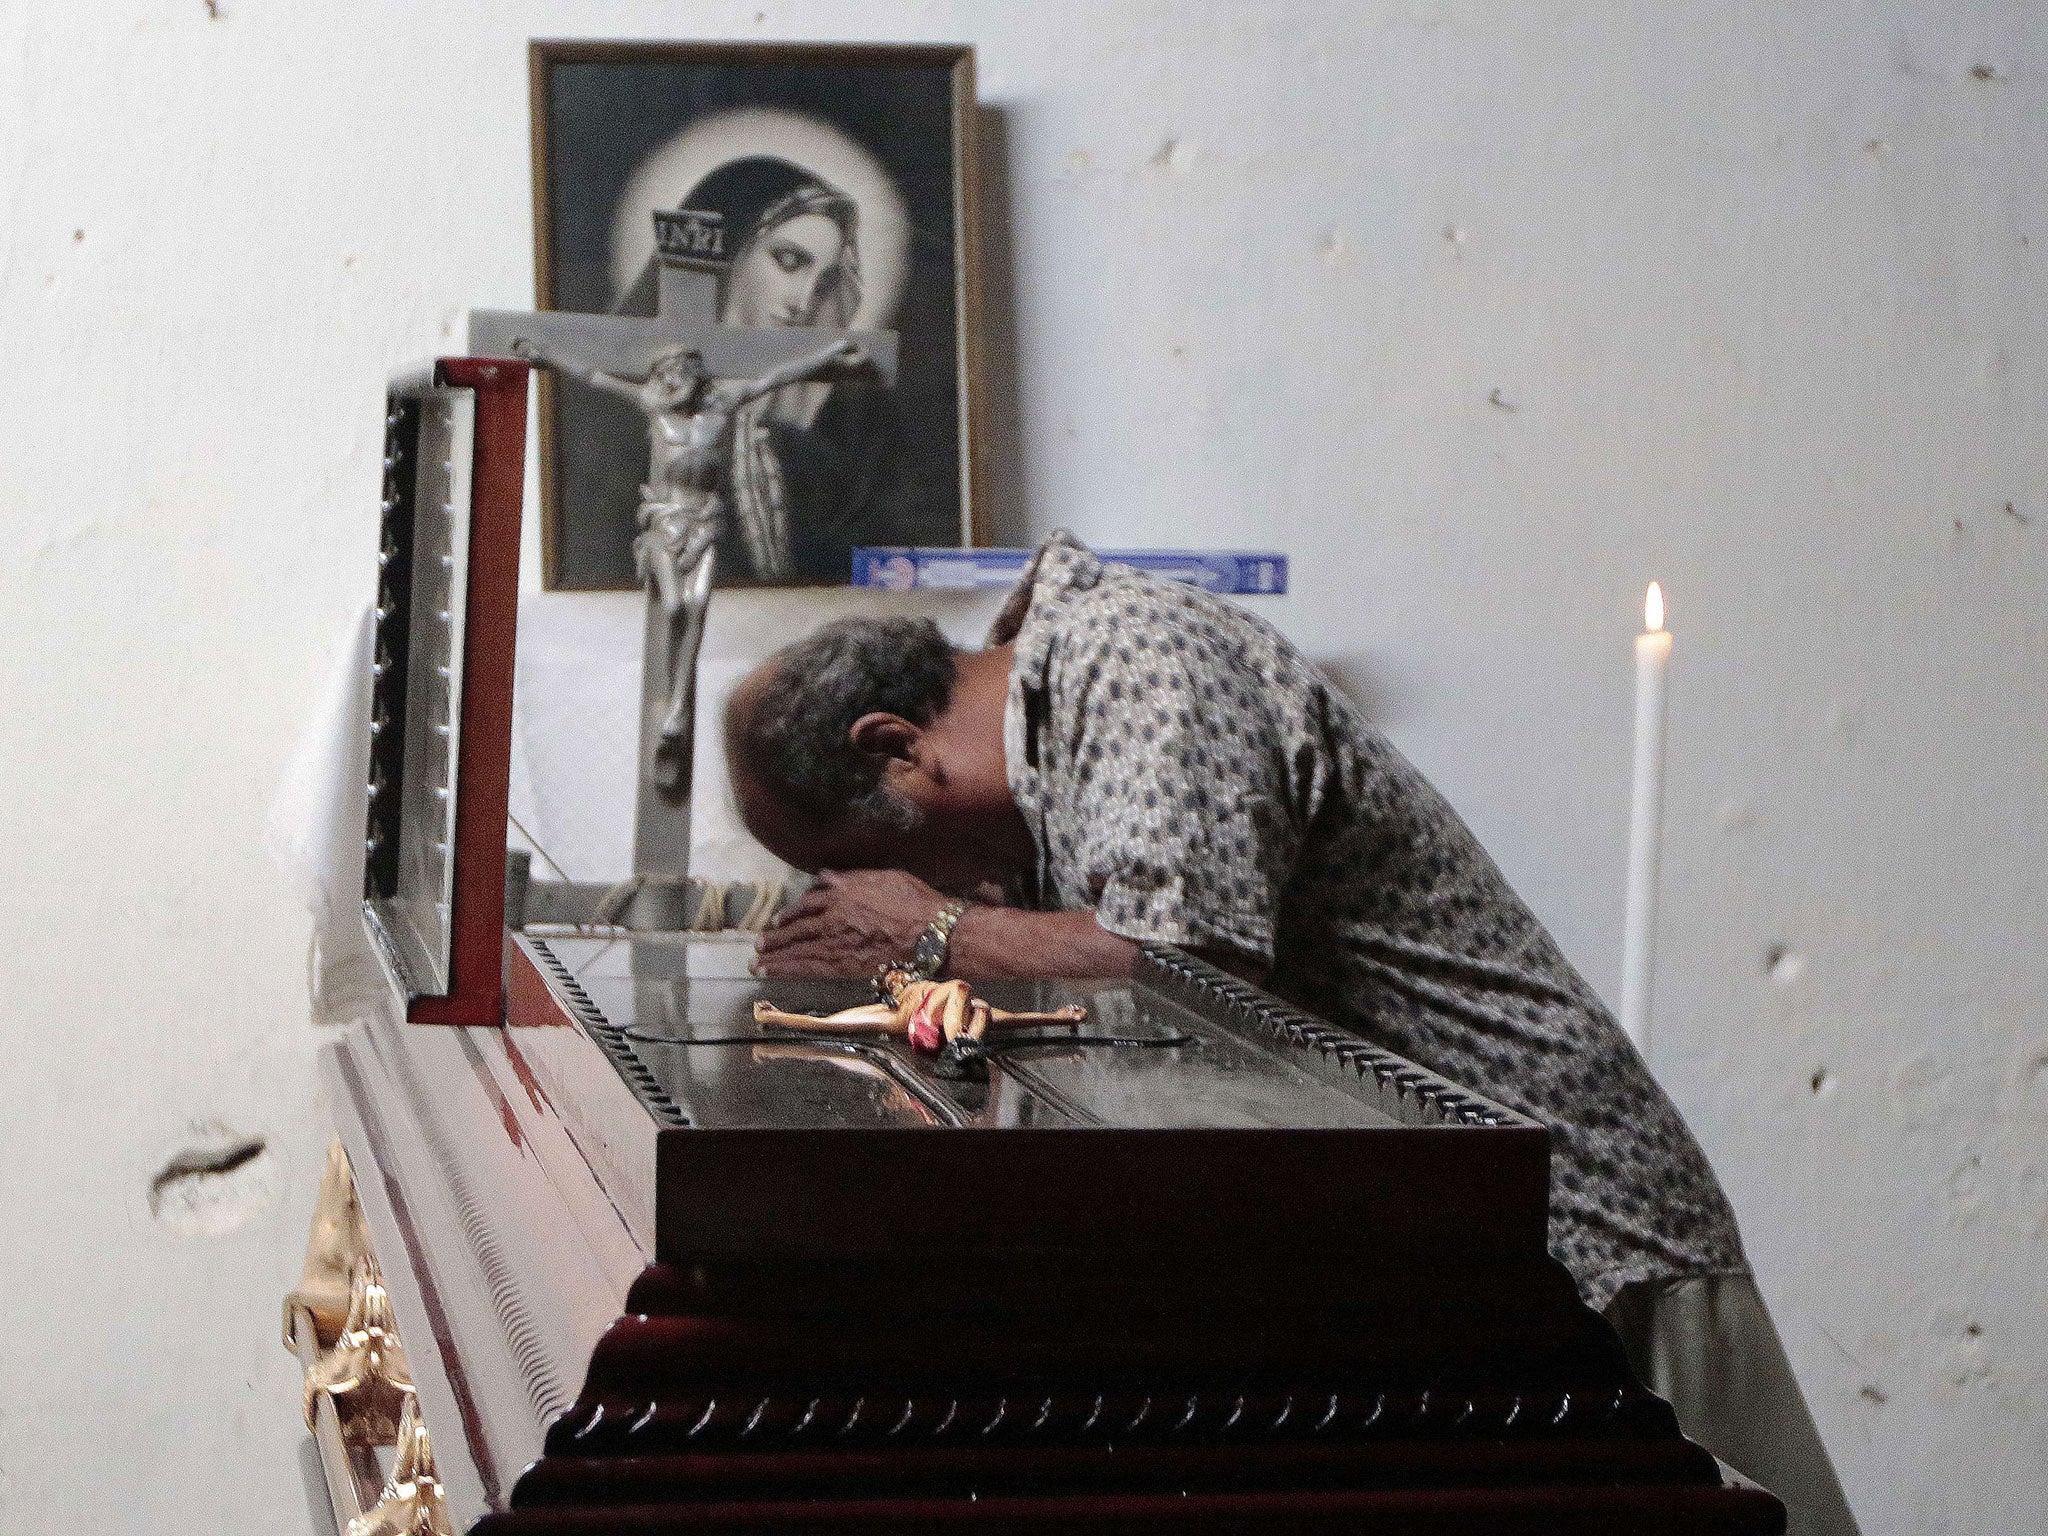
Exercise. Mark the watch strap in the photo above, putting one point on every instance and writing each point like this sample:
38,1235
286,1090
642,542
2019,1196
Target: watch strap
928,957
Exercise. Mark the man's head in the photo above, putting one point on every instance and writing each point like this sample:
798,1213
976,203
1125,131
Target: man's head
873,744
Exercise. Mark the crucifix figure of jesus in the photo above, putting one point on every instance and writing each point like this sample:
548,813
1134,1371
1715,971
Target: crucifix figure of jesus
690,376
682,506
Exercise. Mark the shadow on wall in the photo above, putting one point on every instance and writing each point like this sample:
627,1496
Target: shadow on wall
1004,514
1356,680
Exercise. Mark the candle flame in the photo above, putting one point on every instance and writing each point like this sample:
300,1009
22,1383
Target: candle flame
1653,608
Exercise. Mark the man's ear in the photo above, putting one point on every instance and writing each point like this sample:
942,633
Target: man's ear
886,735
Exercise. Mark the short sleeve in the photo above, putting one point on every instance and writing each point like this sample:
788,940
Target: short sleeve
1177,814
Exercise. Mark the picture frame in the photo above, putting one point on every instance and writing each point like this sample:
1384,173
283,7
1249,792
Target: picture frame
844,180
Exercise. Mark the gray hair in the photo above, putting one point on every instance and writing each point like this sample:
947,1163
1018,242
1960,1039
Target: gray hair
795,737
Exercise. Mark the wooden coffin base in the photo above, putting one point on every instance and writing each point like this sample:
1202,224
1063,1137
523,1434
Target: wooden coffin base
574,1383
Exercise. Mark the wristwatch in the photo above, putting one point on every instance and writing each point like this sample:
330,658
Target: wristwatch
928,958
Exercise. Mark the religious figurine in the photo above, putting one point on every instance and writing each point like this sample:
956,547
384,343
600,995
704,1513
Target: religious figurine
942,1016
690,417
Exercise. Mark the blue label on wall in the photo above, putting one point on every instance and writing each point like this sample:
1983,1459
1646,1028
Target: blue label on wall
1235,573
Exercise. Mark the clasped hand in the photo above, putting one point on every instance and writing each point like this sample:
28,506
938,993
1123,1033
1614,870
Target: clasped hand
849,924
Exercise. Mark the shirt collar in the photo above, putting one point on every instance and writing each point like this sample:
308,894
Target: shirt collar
1061,567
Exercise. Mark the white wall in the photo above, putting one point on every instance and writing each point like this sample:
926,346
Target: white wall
1760,289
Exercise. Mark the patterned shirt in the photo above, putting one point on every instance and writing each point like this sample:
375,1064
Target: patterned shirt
1194,780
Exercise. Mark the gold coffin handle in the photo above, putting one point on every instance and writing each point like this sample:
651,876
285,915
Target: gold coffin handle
351,1472
339,1238
366,1373
413,1503
358,1385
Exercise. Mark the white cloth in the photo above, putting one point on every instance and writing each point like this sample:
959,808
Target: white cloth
315,830
1706,1345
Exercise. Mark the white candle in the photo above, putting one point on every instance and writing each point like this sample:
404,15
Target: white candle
1645,821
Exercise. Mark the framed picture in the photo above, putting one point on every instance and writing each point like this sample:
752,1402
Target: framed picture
813,186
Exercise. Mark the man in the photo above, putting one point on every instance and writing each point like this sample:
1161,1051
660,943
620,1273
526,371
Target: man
1140,761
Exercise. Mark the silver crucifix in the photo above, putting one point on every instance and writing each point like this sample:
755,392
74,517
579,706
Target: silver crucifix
690,419
691,377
